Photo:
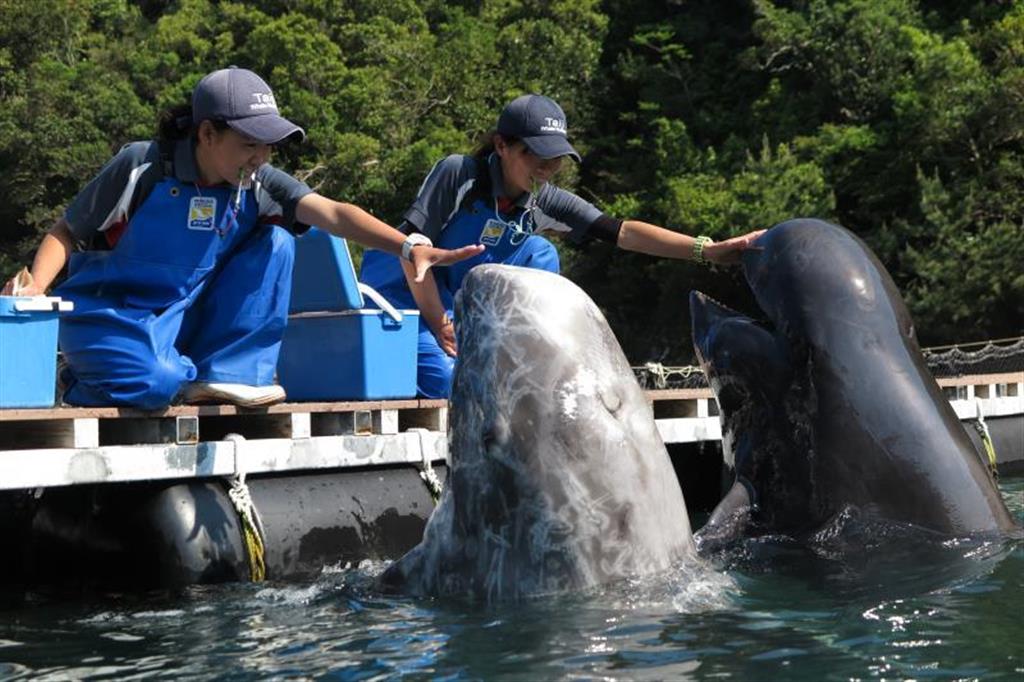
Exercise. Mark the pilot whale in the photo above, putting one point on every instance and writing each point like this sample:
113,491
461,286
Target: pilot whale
831,406
559,480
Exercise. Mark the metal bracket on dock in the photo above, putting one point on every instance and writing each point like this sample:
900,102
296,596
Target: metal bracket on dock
362,423
186,430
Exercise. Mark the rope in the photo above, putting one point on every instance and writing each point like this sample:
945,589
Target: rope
252,529
427,473
660,374
986,438
253,537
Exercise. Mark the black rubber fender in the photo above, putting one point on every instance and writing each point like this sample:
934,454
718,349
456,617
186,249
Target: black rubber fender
313,520
194,535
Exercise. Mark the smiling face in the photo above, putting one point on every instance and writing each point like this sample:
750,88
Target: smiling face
224,155
521,168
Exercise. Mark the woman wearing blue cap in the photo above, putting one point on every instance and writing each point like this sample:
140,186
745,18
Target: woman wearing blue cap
501,197
177,264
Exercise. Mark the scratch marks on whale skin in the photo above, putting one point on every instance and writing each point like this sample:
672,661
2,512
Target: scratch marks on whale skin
558,478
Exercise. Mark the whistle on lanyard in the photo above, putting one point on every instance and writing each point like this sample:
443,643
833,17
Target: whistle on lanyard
230,218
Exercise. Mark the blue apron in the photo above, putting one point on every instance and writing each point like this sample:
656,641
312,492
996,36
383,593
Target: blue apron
194,289
506,240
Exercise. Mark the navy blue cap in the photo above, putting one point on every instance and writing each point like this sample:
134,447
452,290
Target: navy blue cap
540,123
245,102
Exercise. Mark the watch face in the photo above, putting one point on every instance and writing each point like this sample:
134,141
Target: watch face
415,239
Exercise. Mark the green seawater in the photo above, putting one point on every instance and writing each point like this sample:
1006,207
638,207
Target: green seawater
769,611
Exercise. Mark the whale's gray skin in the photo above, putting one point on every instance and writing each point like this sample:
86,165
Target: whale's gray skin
559,479
834,407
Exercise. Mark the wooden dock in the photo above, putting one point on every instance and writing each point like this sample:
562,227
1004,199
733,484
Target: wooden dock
67,446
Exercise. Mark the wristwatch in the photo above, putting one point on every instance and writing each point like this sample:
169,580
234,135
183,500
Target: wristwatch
414,239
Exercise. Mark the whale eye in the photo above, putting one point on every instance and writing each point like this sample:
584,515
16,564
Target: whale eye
610,398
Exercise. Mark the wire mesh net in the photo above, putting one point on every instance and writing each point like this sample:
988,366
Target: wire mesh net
985,357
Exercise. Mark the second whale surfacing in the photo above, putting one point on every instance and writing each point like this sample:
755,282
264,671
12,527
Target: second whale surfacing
559,480
832,409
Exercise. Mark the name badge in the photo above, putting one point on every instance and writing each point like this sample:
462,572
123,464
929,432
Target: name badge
491,235
201,212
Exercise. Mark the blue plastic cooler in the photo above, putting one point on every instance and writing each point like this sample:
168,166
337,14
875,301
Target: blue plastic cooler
28,349
334,348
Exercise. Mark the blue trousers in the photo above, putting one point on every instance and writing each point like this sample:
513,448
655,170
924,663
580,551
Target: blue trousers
228,329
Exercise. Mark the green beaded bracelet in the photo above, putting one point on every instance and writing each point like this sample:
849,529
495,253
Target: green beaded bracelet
698,248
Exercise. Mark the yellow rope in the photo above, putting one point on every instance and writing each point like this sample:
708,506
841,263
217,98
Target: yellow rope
254,551
252,535
986,439
990,449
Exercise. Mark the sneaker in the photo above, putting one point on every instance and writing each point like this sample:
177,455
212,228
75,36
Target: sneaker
233,394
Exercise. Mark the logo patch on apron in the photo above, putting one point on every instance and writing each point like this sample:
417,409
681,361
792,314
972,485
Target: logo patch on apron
491,235
201,212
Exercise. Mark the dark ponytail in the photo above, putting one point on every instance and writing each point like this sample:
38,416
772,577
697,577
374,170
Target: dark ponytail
485,143
176,123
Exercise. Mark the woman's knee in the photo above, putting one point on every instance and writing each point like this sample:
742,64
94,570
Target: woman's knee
537,253
145,385
164,381
434,376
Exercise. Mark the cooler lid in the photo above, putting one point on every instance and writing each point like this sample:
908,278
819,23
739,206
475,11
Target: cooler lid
324,277
24,305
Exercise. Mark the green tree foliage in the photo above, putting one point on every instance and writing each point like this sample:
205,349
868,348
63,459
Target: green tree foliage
65,107
900,119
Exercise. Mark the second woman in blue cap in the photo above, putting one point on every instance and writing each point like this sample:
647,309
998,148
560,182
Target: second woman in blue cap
501,197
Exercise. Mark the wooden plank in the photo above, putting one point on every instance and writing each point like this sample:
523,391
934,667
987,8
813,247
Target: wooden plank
124,463
990,407
86,432
982,379
385,422
689,429
24,414
431,419
25,434
28,414
332,452
679,394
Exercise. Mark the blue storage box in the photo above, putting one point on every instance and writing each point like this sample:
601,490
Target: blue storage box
334,348
28,350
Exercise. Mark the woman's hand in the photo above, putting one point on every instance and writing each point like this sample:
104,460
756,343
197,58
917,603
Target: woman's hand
22,284
425,257
728,252
446,336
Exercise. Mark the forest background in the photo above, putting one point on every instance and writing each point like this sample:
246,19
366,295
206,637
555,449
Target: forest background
900,120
